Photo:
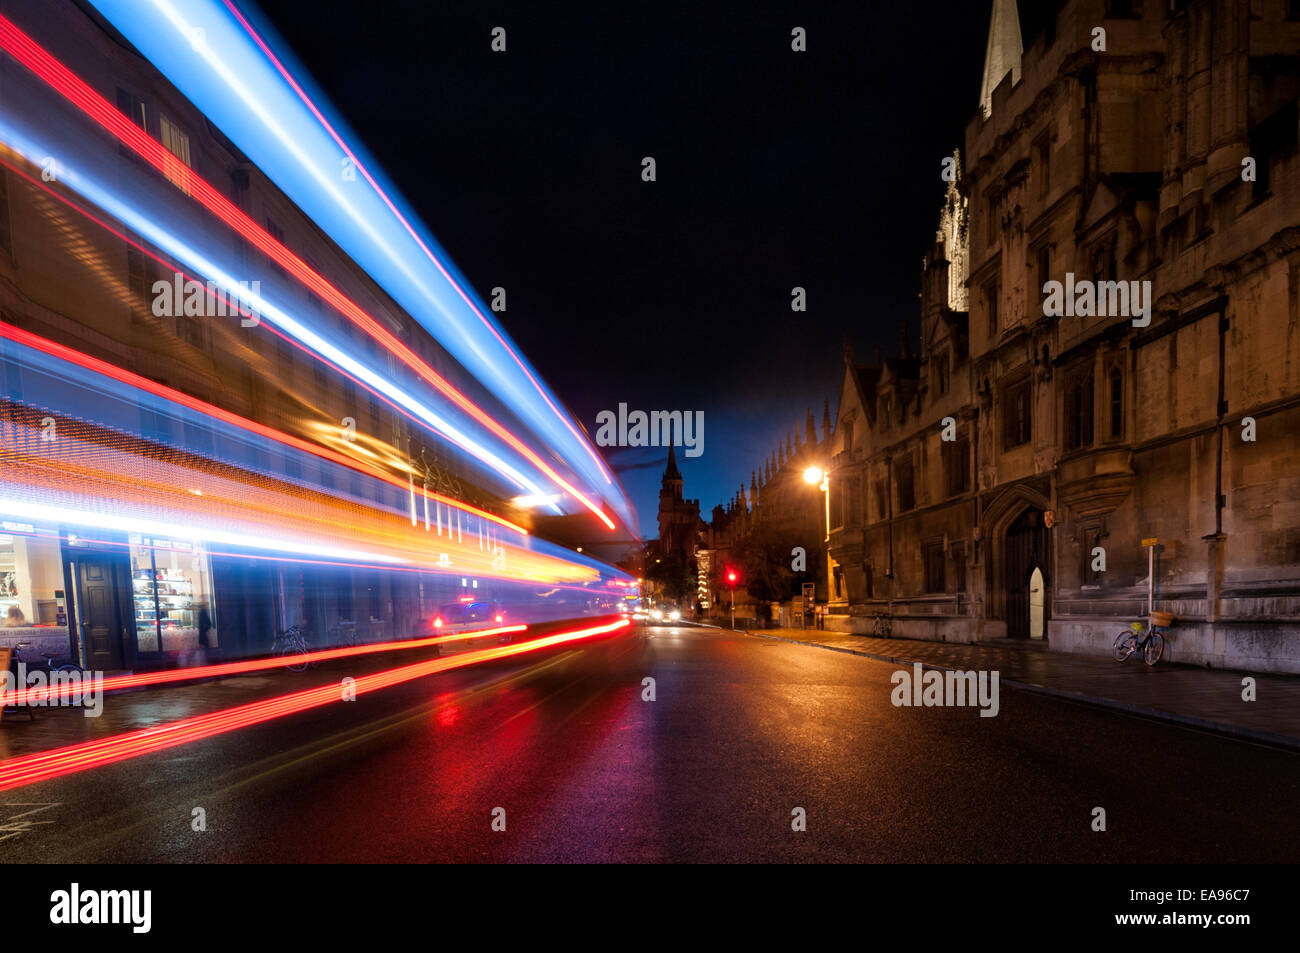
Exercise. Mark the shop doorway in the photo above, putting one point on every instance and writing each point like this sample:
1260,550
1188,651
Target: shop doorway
1026,554
99,607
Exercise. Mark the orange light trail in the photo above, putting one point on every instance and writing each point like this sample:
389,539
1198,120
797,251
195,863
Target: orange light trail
43,766
49,69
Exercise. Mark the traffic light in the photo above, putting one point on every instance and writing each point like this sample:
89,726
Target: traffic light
731,578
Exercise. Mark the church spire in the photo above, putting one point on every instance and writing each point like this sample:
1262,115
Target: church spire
810,430
1003,52
671,472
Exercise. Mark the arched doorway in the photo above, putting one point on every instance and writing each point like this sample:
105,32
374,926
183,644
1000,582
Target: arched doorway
1025,561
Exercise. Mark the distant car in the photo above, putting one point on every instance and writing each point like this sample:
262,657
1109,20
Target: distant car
665,615
454,617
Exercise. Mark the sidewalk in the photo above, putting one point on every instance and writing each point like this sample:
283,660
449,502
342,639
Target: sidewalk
1209,699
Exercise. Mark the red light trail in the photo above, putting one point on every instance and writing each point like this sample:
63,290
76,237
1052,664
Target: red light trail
43,766
119,682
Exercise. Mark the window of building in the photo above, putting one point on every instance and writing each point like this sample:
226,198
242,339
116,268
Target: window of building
133,108
1124,9
284,356
31,580
1116,404
993,220
6,236
1043,268
958,556
1079,409
1016,420
322,378
171,582
991,294
1104,265
1043,149
1270,139
141,272
956,455
190,330
176,142
276,232
906,484
941,373
933,556
1293,9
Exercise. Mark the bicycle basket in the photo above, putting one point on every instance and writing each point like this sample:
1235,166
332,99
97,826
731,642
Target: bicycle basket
1162,619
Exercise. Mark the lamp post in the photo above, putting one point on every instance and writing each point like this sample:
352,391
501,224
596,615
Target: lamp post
731,584
822,478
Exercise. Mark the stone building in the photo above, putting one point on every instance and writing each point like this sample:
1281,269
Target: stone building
1003,483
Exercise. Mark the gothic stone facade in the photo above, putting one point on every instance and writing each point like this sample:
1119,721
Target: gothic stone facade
1079,437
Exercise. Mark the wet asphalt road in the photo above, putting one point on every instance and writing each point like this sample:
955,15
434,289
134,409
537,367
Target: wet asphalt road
742,731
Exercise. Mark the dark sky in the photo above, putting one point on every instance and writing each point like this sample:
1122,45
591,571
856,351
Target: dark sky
775,169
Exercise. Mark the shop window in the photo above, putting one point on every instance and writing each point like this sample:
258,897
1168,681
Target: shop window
171,583
31,581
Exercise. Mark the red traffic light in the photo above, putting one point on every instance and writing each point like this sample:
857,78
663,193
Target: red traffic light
731,576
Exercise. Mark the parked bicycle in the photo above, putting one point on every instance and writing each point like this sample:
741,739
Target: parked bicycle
291,644
52,665
1149,638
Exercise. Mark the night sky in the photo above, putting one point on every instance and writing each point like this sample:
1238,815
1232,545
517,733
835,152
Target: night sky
775,169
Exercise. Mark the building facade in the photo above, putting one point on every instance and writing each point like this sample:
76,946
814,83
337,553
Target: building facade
1110,363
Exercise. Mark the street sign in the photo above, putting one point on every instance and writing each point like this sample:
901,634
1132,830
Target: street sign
1150,542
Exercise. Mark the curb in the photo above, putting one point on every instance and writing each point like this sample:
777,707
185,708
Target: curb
1270,738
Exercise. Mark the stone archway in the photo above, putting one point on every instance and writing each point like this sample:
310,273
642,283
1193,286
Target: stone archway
1017,544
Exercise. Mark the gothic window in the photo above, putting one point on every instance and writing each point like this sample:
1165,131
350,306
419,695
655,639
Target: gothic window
941,373
991,292
956,455
1043,147
933,556
1116,404
847,427
906,483
1104,266
1079,409
959,567
1016,421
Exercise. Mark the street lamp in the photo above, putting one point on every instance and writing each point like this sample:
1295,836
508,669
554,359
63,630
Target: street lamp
816,475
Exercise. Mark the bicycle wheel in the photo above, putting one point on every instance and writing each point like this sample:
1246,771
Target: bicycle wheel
294,653
1125,645
1155,648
